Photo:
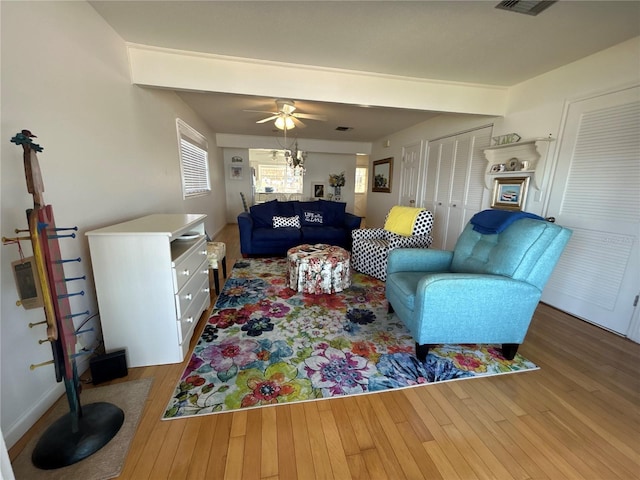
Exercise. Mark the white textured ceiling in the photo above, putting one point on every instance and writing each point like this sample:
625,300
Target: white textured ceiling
462,41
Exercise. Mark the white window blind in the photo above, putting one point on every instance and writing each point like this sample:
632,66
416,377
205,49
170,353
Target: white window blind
194,160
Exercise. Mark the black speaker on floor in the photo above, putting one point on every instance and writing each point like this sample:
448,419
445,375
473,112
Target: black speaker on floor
109,366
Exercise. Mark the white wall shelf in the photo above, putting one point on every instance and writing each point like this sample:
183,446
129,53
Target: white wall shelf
533,153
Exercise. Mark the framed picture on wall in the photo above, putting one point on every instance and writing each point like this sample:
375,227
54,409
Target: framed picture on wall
382,174
236,172
317,190
510,193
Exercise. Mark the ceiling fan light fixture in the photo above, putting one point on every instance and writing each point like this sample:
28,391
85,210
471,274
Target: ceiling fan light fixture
284,123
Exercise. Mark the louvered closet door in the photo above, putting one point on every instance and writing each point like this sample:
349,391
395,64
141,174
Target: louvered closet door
596,193
454,187
443,193
467,186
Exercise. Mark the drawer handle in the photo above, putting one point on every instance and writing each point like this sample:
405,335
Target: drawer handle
186,273
203,252
206,290
189,320
205,272
187,296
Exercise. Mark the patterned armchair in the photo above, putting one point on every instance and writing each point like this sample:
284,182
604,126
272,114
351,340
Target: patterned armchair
405,227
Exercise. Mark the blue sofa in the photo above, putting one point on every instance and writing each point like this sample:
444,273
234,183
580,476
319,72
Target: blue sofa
295,223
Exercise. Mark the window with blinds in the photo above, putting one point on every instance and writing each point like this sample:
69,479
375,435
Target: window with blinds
194,161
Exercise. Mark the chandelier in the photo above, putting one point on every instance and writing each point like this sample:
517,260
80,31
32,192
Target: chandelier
295,159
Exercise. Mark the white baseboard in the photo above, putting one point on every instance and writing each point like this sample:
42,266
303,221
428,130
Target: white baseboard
32,415
46,401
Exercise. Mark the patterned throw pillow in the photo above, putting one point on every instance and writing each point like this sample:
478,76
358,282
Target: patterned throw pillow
311,218
279,222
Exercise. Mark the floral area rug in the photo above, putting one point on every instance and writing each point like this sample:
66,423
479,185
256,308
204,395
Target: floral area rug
266,344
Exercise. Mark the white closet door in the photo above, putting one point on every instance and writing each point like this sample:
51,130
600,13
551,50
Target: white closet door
431,180
468,182
454,187
411,169
596,193
475,189
458,190
443,193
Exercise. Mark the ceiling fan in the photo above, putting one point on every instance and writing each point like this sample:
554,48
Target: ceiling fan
285,116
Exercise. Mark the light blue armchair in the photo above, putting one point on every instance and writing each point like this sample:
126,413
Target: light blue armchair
485,291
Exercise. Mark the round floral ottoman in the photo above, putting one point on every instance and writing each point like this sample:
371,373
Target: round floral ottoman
318,268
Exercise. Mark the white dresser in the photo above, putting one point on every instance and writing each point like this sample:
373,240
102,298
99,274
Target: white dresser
152,281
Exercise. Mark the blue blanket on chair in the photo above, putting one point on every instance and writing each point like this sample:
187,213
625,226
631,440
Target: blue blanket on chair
495,221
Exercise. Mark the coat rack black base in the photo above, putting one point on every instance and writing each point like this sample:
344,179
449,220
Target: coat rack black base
59,446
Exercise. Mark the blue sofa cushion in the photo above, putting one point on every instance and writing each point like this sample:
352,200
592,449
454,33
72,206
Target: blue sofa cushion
334,212
321,213
285,209
263,213
311,214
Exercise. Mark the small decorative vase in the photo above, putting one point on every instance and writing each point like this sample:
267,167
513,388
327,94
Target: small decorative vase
336,191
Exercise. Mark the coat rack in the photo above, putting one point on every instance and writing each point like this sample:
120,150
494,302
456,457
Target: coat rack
84,430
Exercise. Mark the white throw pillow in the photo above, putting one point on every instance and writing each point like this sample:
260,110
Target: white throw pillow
279,222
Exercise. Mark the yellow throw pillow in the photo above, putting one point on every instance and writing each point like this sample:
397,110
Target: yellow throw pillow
401,219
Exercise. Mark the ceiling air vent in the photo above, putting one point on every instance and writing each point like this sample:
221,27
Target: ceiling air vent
344,129
528,7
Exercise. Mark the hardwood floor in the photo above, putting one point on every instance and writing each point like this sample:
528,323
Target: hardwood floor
576,417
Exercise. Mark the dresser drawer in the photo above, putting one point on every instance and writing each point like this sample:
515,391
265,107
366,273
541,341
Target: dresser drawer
189,319
187,265
187,294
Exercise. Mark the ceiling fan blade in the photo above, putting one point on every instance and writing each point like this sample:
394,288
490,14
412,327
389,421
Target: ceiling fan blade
310,116
265,120
260,111
297,122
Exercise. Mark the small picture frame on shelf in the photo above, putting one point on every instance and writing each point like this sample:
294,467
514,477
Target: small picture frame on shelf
317,190
497,168
510,193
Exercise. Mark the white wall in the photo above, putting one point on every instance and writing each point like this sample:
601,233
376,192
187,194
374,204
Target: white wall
110,154
535,108
321,165
234,187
